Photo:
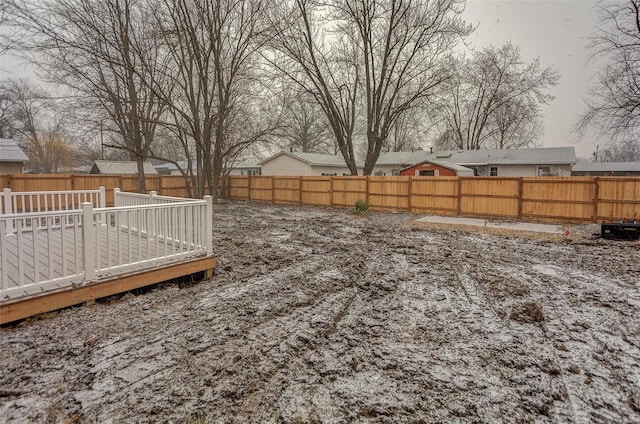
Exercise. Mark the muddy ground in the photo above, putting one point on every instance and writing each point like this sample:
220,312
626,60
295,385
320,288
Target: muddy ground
315,315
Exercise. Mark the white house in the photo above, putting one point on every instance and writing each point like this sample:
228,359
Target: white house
306,164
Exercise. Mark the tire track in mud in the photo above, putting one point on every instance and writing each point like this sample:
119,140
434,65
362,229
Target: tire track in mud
317,316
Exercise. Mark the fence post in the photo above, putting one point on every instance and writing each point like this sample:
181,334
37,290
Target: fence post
88,243
152,197
116,202
300,190
249,187
331,191
596,198
366,195
459,206
409,191
520,193
208,224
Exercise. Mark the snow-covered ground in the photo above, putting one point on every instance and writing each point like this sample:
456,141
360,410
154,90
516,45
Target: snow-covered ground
315,315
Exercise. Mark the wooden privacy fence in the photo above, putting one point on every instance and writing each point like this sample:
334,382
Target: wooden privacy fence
164,185
578,199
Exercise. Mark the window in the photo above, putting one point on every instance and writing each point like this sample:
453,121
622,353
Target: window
493,171
544,171
379,174
427,173
395,172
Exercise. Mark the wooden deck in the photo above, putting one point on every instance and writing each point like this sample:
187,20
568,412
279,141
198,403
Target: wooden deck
24,298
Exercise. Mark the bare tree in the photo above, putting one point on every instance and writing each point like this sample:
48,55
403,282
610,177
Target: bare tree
408,131
96,48
494,100
303,126
39,131
7,110
327,70
368,59
613,108
212,48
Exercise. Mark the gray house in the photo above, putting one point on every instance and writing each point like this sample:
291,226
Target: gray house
606,169
537,162
12,158
545,161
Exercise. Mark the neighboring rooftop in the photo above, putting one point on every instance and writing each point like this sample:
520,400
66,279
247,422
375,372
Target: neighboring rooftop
11,152
120,167
314,159
449,165
606,167
536,156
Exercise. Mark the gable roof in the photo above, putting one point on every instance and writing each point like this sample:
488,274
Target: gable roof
606,167
313,159
120,167
11,152
449,165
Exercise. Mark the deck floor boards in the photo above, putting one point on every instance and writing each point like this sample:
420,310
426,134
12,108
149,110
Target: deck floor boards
125,248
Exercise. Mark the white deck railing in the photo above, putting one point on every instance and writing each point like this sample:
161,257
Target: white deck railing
46,248
45,201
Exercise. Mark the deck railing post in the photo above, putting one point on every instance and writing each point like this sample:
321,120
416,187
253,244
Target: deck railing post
116,201
7,201
150,227
88,243
102,203
8,209
208,224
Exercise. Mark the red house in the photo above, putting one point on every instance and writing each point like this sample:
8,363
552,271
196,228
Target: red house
432,168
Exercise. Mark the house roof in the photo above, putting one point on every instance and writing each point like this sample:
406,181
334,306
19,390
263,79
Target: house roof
403,159
171,166
313,159
536,156
606,167
445,164
120,167
11,152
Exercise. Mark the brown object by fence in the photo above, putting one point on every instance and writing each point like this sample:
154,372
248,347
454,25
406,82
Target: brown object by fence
572,199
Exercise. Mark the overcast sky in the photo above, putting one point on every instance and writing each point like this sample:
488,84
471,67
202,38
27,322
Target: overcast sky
556,31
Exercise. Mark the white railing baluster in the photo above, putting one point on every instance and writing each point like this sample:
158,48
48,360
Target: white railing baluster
4,284
21,255
50,250
36,255
63,246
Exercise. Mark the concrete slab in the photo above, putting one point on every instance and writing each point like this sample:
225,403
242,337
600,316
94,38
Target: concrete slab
479,222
